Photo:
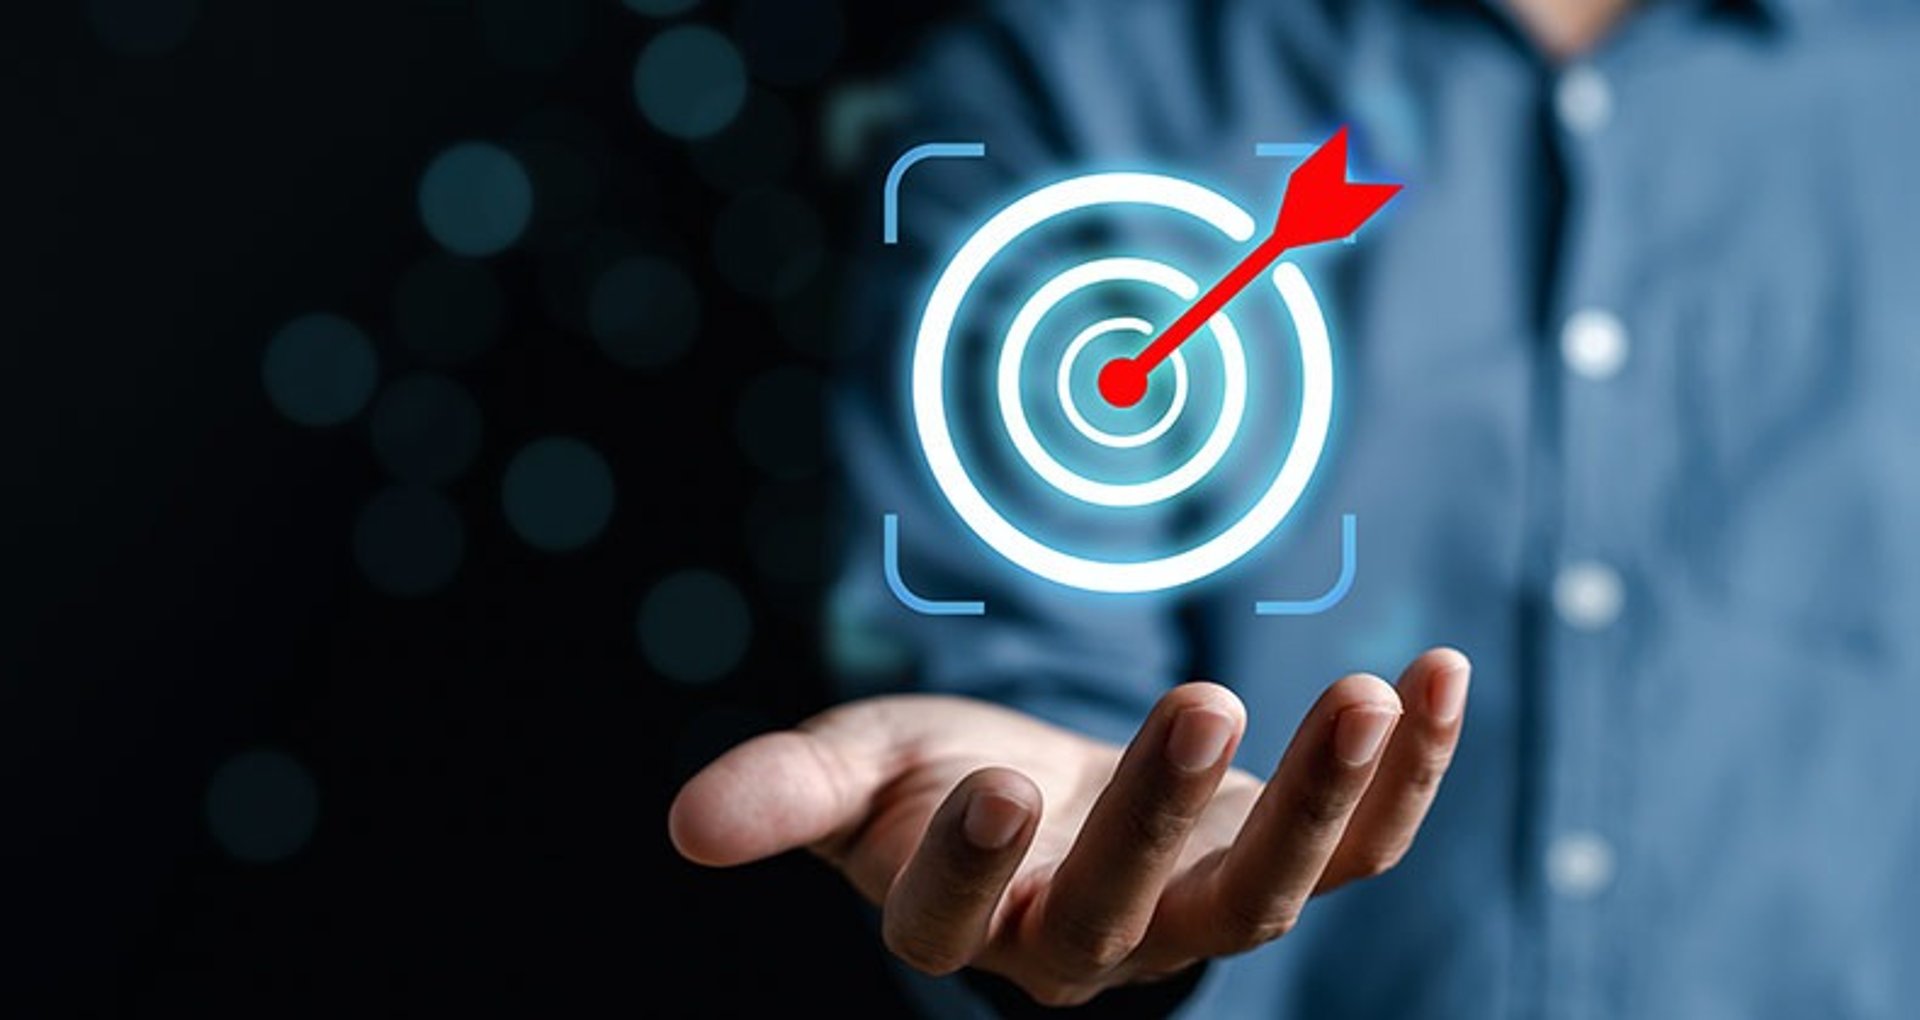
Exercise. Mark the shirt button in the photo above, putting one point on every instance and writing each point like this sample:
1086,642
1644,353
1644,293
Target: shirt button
1593,344
1579,865
1588,596
1583,100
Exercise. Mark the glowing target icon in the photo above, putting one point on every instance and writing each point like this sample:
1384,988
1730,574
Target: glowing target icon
1320,205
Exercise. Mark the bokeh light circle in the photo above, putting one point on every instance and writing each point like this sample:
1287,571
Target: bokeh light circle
557,493
694,626
408,540
425,428
567,277
476,199
643,312
690,81
262,806
319,370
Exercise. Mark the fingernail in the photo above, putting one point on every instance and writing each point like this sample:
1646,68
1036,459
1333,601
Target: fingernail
1447,695
1358,733
1198,739
992,819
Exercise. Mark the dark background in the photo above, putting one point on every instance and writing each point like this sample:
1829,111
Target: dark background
241,775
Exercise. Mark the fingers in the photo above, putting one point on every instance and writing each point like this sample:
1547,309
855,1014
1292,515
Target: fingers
1102,898
1258,888
771,794
1434,691
805,787
939,911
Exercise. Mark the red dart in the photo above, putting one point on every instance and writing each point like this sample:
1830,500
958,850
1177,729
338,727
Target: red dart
1320,205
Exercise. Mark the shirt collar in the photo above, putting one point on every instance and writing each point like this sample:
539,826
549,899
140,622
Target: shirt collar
1780,12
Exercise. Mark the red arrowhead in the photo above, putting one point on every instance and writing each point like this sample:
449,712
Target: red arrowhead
1320,204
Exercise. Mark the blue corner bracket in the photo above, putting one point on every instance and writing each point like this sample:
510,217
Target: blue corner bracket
1333,596
890,554
890,199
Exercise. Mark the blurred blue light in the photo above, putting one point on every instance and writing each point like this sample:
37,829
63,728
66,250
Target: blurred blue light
425,428
319,370
142,26
262,806
860,649
690,81
475,199
855,116
557,494
567,277
694,626
643,312
447,309
409,541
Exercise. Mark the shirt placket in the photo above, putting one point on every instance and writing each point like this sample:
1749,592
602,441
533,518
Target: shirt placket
1590,578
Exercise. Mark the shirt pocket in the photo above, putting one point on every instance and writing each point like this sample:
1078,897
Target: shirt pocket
1796,458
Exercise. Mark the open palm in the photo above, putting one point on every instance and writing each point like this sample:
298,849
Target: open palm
1069,865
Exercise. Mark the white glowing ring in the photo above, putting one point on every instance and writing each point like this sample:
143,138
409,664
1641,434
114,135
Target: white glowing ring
930,402
1079,420
1233,399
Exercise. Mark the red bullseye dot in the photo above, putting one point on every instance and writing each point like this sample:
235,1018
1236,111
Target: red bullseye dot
1123,382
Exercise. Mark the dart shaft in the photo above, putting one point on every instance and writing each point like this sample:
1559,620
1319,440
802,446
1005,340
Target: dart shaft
1210,303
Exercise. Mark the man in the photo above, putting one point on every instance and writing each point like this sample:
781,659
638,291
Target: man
1630,376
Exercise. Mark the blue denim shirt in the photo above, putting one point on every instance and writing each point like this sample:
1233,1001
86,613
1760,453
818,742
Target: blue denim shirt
1630,412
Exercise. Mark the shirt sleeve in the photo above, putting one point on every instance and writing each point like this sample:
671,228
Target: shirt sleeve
1093,663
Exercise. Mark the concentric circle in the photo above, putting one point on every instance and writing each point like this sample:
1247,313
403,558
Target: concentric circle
934,430
1078,418
1233,405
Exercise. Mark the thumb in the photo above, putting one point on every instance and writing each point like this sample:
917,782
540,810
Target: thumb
772,794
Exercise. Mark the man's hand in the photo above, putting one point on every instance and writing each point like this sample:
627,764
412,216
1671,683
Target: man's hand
1068,865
